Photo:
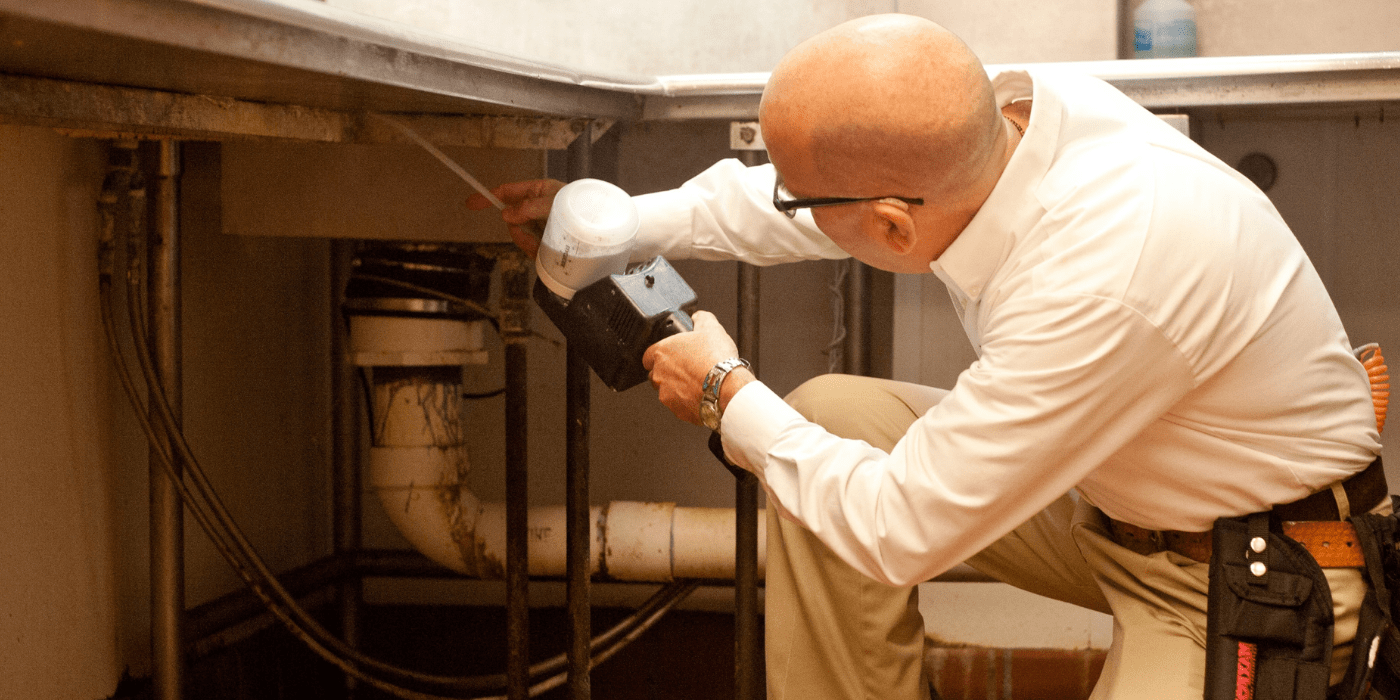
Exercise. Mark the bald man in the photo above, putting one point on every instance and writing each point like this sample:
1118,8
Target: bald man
1155,352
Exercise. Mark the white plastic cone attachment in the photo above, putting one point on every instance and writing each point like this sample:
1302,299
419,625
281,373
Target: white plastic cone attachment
592,226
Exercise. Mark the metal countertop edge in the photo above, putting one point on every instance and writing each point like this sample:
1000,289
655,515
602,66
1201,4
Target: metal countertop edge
1198,75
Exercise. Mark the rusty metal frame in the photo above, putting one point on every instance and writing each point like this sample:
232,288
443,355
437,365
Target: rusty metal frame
105,111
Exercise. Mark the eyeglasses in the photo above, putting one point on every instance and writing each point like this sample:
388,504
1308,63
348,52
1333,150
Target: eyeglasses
786,203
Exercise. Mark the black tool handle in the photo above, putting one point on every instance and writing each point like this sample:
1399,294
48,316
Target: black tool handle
679,322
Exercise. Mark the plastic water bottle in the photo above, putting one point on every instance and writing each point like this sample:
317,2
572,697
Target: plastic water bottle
1164,29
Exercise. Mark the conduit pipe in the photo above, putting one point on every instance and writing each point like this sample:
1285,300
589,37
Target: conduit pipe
418,467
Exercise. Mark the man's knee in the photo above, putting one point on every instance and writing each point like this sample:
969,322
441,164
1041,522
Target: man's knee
854,407
818,398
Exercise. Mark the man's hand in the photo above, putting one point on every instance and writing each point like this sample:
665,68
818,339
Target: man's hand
527,201
678,365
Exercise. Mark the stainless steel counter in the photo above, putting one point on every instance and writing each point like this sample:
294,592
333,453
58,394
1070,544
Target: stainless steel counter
261,55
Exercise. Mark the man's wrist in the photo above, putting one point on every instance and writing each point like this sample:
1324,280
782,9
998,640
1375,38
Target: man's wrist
738,379
711,389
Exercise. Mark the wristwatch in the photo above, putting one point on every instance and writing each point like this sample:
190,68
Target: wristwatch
710,412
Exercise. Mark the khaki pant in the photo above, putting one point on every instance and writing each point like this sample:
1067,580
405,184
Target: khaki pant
834,633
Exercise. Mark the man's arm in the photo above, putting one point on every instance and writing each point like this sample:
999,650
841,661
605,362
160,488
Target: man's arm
1057,393
724,213
727,213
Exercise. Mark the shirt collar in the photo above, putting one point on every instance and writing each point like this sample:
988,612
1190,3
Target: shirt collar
969,263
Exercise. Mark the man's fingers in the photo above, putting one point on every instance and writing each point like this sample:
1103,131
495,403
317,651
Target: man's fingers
703,319
513,194
477,202
525,240
527,189
649,358
527,210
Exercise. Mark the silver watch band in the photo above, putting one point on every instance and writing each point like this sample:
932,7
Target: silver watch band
710,412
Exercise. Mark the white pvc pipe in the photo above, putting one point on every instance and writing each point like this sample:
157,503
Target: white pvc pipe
418,467
426,497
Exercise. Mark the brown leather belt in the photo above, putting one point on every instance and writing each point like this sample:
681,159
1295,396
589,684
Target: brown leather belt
1312,521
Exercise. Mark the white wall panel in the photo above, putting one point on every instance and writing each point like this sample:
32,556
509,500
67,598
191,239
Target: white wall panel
1014,31
1266,27
58,537
630,36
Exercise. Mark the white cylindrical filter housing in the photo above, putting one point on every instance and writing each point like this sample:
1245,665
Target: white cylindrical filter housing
592,226
394,341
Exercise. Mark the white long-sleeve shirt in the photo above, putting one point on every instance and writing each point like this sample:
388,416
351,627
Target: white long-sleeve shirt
1149,333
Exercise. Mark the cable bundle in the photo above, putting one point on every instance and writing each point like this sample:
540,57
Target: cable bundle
122,205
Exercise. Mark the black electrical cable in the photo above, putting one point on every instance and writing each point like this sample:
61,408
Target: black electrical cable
492,317
204,519
485,394
604,646
155,390
197,509
428,290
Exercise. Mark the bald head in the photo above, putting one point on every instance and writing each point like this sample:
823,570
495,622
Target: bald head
887,104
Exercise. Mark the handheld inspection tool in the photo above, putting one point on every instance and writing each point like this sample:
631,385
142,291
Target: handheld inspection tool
609,313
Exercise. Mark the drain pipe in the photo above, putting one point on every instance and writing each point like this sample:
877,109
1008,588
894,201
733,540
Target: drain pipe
418,467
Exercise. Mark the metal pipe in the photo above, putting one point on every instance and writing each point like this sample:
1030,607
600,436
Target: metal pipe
748,653
577,511
515,315
166,513
345,461
856,349
578,536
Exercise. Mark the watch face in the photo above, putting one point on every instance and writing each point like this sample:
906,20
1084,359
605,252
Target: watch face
709,415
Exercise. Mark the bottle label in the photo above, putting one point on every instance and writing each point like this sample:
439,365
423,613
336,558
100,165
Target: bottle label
1175,39
1142,39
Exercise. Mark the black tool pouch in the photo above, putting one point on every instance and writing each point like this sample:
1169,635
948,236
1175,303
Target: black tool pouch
1375,658
1269,620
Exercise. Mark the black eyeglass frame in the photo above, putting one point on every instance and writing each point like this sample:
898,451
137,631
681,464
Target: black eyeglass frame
790,206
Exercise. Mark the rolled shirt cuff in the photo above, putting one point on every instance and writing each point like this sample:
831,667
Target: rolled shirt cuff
751,424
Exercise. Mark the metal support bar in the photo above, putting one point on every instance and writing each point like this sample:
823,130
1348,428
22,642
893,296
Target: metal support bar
577,512
748,653
167,514
345,462
90,109
515,324
856,350
207,626
310,53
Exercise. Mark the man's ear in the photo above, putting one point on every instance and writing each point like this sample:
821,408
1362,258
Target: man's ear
895,227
